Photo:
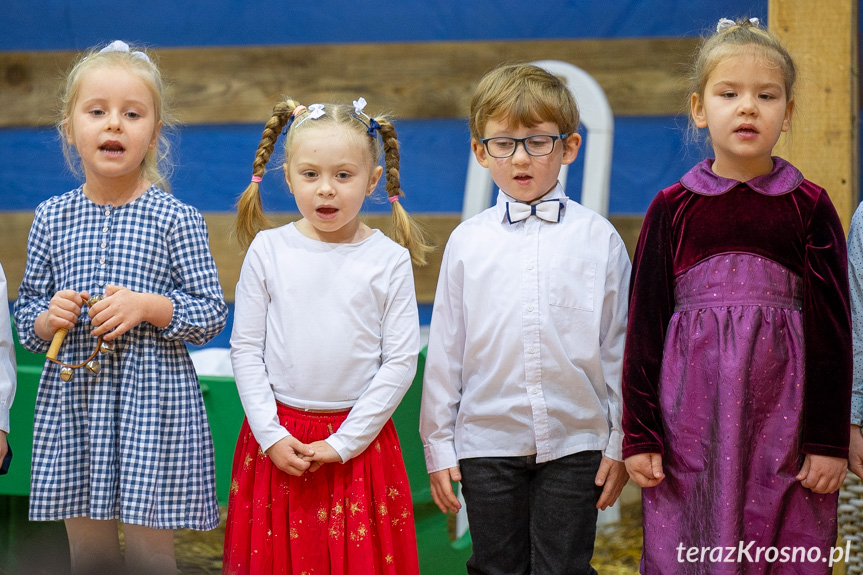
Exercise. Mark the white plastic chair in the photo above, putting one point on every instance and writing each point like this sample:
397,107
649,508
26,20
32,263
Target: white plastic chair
598,121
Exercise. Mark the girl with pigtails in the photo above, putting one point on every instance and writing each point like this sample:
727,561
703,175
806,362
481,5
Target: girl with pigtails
324,346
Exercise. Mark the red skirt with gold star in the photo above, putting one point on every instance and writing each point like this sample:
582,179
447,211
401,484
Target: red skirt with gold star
345,518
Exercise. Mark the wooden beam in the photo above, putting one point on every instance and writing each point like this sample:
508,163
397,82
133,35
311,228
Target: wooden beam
824,145
229,258
641,77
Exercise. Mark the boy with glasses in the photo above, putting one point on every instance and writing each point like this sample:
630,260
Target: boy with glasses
521,398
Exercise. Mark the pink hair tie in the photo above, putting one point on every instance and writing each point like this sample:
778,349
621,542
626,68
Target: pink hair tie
393,199
256,179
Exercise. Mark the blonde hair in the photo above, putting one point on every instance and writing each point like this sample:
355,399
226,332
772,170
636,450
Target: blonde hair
155,167
732,40
250,212
523,94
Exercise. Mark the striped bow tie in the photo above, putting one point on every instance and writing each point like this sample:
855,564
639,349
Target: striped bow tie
548,210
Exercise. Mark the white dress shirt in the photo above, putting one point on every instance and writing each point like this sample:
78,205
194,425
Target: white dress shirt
324,326
526,341
7,358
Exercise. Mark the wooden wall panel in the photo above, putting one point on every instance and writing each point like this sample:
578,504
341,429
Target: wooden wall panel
229,259
824,142
641,77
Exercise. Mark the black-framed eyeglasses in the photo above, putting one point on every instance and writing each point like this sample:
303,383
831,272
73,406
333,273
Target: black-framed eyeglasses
539,145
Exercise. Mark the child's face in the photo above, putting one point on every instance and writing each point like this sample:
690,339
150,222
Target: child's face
113,124
522,176
745,109
330,175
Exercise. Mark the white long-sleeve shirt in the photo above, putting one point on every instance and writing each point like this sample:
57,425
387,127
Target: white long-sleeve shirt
324,326
526,340
7,358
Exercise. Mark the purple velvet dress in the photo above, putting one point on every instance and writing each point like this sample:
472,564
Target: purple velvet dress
737,364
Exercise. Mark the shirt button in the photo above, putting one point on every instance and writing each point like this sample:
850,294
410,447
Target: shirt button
104,245
105,230
530,308
530,266
102,261
531,349
534,391
107,212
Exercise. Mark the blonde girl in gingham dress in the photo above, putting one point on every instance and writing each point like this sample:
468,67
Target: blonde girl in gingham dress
131,443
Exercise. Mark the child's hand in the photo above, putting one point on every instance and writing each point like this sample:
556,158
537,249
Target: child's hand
289,454
822,474
63,311
855,451
442,491
122,309
324,453
612,477
645,469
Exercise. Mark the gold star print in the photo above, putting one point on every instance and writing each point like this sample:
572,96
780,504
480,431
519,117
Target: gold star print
378,446
247,462
293,533
334,532
382,509
354,508
362,531
337,509
235,486
322,514
393,493
389,559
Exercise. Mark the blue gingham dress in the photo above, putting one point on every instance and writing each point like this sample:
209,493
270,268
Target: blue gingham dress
132,442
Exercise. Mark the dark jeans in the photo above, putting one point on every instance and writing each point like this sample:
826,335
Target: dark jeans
531,518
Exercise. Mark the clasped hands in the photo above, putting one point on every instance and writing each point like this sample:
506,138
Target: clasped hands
295,457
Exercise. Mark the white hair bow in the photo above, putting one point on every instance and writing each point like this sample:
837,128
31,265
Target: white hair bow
316,111
725,23
120,46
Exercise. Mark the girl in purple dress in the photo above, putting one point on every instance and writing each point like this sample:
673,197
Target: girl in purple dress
737,369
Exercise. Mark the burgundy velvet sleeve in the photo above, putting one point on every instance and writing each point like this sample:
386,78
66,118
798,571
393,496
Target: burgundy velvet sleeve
651,303
827,335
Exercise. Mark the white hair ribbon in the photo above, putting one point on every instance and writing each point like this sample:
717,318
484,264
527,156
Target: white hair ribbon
120,46
359,106
315,111
725,24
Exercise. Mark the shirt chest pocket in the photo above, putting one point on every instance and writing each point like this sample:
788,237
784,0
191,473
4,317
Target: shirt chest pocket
571,283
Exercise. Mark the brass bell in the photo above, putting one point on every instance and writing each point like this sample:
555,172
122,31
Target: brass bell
93,367
66,373
94,300
107,347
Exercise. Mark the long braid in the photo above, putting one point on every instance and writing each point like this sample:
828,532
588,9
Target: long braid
250,209
405,230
